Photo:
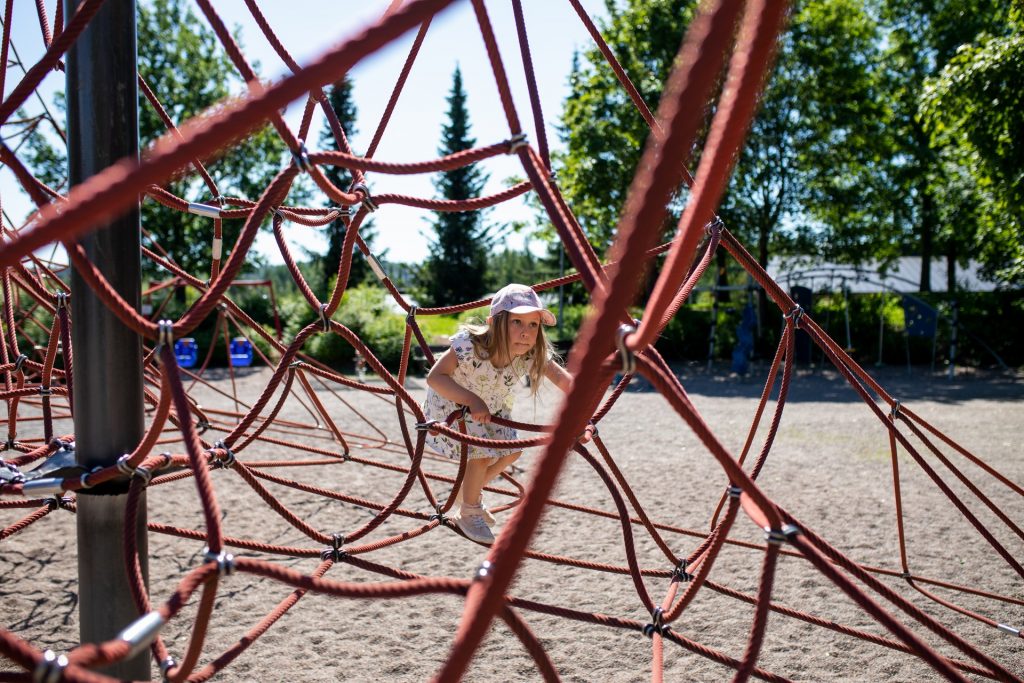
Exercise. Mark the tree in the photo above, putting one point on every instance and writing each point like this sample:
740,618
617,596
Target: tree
921,39
182,61
974,109
456,266
340,98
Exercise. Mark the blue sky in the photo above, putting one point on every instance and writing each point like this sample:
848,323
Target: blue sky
308,27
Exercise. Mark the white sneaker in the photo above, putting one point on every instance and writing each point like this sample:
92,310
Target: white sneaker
474,525
488,517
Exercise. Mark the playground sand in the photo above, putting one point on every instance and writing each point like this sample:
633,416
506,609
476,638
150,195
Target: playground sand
830,467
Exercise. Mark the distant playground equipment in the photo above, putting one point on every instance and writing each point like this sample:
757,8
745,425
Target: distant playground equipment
921,319
240,352
187,352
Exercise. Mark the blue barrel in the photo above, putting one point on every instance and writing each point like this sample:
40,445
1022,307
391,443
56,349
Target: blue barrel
186,351
241,352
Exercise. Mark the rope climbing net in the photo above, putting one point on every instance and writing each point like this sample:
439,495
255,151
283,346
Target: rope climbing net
737,37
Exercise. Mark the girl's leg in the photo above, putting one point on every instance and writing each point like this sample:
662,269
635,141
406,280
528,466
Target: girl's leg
498,466
474,480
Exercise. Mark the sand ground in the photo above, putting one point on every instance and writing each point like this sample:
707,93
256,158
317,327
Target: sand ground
830,467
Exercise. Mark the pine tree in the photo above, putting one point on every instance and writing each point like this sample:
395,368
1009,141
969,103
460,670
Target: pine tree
340,98
457,264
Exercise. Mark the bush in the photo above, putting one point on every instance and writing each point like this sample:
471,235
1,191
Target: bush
367,311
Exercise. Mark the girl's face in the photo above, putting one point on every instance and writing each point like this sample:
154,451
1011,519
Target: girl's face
522,332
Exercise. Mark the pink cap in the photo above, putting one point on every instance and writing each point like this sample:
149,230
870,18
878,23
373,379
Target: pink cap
520,299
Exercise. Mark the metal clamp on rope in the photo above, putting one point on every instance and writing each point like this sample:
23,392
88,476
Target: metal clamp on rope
59,503
141,632
1008,629
734,491
657,624
50,669
202,426
335,552
593,428
207,210
410,317
376,267
62,299
516,142
164,334
19,361
713,228
680,571
553,176
165,668
426,426
82,480
46,391
796,314
483,571
301,158
141,472
439,516
325,322
368,202
228,460
780,536
628,357
225,561
894,412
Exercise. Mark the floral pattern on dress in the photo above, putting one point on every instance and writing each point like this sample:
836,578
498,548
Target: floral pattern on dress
495,387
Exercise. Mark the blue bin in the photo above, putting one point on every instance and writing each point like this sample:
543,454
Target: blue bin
241,352
186,351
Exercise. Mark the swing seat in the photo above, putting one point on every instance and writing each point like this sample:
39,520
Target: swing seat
186,351
241,352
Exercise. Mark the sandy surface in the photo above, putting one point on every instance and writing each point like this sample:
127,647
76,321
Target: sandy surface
830,467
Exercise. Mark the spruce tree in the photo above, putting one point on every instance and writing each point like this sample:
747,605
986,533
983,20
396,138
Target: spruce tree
340,98
455,269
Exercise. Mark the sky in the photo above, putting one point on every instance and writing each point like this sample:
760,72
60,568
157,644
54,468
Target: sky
307,28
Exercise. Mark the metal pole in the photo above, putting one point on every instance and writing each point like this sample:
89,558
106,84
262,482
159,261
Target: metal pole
102,123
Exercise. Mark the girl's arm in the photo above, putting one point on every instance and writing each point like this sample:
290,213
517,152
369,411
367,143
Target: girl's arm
562,379
440,380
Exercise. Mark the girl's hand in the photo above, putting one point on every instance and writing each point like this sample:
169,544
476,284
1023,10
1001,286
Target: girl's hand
478,410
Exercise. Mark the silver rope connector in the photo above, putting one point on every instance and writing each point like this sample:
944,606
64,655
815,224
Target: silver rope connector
376,267
335,552
325,322
628,357
657,624
51,669
796,314
62,299
483,571
734,491
225,561
19,361
207,210
780,536
165,668
517,142
228,460
42,488
713,228
894,412
368,202
301,158
426,426
141,632
165,334
1008,629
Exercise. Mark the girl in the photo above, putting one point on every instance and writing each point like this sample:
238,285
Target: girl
481,371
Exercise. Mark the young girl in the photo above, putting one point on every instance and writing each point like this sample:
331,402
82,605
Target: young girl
481,371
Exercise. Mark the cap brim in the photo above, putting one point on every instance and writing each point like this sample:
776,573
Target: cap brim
546,316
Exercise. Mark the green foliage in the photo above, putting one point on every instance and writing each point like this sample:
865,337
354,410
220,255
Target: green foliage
974,108
367,311
182,61
455,269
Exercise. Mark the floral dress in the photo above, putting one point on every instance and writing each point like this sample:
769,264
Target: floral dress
495,386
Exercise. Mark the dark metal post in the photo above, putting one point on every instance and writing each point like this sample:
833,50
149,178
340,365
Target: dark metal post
102,123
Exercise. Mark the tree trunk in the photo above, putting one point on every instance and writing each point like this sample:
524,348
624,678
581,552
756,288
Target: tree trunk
927,236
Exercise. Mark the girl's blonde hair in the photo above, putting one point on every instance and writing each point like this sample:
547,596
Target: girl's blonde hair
491,341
